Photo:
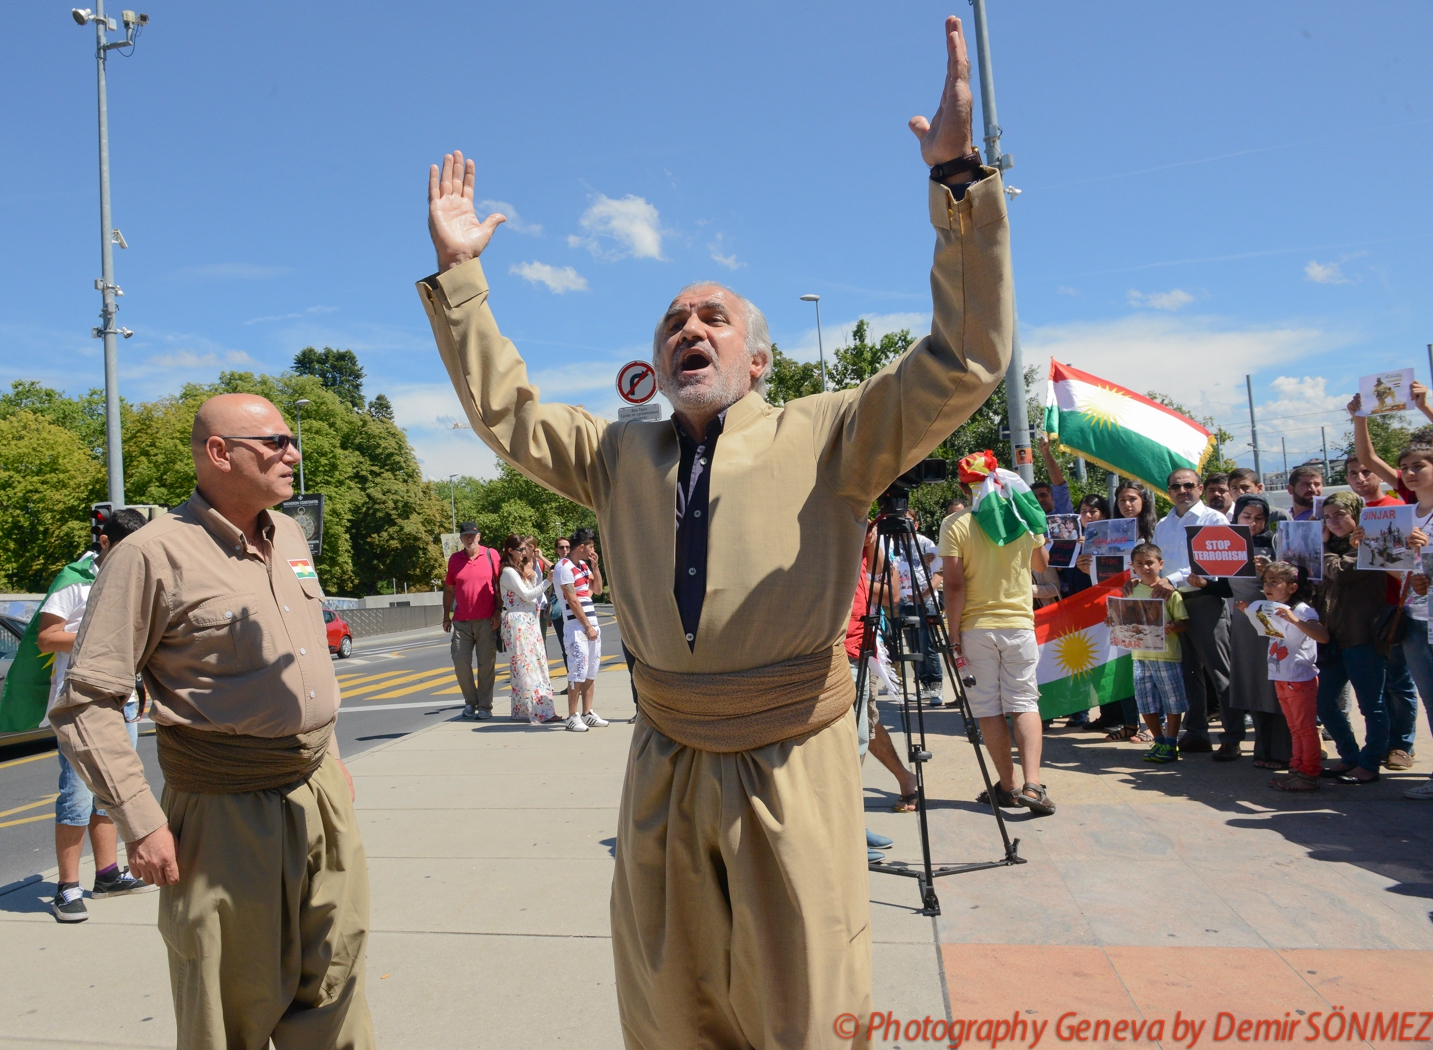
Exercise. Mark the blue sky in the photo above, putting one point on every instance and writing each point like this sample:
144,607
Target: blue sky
1208,190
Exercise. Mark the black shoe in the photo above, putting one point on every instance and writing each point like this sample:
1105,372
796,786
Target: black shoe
69,905
119,884
1226,753
1192,745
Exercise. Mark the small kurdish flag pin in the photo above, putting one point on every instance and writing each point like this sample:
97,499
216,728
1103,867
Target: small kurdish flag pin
303,568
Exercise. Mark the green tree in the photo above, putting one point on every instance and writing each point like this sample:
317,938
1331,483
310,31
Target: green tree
381,408
790,379
337,370
48,479
1390,435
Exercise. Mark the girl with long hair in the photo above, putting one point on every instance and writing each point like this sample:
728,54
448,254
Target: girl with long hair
1133,500
521,588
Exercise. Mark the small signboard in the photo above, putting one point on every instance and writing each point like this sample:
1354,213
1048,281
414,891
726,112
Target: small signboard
637,382
308,512
1384,392
639,413
1220,551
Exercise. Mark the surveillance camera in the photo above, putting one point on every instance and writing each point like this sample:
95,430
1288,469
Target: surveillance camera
127,17
125,332
81,15
143,19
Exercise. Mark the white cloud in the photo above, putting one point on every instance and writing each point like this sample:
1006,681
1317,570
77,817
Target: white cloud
834,335
565,279
1061,289
1171,300
1194,360
310,312
1325,273
515,222
631,222
729,261
188,360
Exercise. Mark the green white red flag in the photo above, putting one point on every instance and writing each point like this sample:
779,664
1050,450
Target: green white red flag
1001,501
1079,668
1120,430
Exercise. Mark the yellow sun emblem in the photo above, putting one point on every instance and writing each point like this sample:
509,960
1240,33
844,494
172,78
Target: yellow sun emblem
1102,406
1075,652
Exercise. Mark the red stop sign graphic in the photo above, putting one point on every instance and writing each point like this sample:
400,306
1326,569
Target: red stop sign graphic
1218,550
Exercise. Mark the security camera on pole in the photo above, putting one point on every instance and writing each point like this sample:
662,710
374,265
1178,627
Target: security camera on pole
109,236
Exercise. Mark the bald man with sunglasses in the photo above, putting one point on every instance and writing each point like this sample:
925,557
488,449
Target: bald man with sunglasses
264,882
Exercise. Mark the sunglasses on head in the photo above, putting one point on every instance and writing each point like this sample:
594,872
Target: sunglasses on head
277,442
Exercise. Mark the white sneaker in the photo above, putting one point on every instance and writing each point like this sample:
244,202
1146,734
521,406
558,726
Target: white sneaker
1423,792
575,724
593,719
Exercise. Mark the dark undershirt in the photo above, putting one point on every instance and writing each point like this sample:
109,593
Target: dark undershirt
689,585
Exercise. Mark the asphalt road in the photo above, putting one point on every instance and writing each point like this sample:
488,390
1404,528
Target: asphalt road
391,686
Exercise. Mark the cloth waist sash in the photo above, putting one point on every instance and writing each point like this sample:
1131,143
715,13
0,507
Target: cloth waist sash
206,763
744,710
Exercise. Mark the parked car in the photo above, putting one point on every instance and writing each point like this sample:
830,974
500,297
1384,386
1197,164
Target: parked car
11,631
340,635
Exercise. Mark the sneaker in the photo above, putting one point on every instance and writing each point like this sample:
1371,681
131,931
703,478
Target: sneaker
575,724
1398,759
874,855
594,720
874,841
69,905
483,714
118,884
469,711
1423,792
1155,753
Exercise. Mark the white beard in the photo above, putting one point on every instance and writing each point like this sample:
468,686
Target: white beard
726,387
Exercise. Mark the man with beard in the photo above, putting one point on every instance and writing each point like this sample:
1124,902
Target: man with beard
740,913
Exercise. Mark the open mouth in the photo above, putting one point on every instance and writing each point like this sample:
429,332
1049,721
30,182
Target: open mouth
693,359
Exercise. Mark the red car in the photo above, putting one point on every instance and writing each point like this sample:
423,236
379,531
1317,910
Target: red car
340,635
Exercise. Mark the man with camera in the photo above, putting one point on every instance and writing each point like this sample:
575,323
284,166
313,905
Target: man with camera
740,911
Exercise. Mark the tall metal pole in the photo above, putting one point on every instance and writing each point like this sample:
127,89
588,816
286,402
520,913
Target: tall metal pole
820,349
1284,444
1253,428
1015,410
453,497
114,448
299,409
1324,437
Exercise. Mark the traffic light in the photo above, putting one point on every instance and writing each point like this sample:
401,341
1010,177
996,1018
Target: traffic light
99,514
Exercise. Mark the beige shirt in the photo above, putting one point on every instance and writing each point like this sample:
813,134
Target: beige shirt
790,486
229,637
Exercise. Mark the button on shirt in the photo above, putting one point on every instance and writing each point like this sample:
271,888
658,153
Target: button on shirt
229,636
694,480
1170,537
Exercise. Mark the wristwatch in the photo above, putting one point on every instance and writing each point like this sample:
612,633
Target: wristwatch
969,162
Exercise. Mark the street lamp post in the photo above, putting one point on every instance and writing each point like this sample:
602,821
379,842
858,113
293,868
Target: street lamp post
301,404
453,496
109,236
820,349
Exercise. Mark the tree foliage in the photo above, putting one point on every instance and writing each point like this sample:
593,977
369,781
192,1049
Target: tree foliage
381,408
337,370
513,504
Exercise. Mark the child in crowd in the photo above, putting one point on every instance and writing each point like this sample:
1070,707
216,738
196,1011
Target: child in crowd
1158,676
1294,671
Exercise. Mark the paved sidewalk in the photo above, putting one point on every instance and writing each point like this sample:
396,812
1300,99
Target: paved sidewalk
1191,888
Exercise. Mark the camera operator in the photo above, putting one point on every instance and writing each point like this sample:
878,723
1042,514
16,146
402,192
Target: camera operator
730,927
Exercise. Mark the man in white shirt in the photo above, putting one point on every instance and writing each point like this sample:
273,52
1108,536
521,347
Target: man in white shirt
578,579
75,808
1207,648
918,639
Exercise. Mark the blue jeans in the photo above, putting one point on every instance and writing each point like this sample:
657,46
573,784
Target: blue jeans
1399,696
863,708
918,640
76,803
1419,657
1364,668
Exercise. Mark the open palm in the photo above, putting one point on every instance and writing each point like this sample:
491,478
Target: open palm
946,136
457,234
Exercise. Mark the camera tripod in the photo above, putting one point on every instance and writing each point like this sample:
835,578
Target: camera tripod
896,539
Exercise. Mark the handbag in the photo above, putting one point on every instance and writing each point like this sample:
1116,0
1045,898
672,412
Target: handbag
1389,625
497,621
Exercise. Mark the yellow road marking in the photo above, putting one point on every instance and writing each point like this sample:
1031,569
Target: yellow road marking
43,802
27,820
417,688
399,680
361,679
27,758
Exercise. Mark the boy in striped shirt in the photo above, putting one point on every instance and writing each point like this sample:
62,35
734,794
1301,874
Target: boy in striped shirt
577,576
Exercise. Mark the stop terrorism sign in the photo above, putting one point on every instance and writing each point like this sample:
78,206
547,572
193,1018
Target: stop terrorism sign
1220,550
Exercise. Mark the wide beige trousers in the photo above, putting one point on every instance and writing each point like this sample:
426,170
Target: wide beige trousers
268,924
740,906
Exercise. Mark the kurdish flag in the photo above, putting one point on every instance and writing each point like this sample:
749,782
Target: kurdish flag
1120,430
26,696
1078,667
1003,505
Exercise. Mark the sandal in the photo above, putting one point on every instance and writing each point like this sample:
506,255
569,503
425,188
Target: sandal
1144,736
1122,733
906,803
1004,798
1034,797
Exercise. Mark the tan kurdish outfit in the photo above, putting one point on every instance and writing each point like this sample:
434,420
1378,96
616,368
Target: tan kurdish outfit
740,914
267,927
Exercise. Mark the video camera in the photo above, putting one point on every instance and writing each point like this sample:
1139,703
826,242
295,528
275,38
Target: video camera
896,498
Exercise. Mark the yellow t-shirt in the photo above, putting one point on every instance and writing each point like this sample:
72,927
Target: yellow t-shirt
1173,611
997,579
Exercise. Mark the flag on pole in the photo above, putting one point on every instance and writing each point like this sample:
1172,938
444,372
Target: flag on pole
26,697
1003,505
1079,668
1120,430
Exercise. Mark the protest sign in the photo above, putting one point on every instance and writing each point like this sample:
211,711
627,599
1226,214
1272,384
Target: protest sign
1062,526
1108,566
1136,623
1262,615
1301,544
1063,553
1219,551
1384,392
1115,536
1385,539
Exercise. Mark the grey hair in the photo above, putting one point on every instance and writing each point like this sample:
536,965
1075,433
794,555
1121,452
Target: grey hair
758,335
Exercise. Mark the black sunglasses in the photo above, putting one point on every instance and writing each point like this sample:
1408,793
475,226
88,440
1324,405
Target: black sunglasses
277,442
1184,485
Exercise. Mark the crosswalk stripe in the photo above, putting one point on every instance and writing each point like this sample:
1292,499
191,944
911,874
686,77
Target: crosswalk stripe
43,802
399,680
353,680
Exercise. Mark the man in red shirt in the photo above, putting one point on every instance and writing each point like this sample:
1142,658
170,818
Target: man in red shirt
469,606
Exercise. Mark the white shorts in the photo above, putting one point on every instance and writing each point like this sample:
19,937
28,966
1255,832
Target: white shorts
1003,662
584,655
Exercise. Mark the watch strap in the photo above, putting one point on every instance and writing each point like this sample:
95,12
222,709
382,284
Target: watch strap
960,165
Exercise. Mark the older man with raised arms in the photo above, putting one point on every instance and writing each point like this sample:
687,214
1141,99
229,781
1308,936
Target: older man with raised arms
264,884
740,912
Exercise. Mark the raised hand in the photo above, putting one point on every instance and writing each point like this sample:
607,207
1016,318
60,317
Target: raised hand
457,234
947,135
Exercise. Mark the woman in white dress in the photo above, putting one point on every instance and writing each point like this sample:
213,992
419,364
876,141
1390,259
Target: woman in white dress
521,588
